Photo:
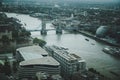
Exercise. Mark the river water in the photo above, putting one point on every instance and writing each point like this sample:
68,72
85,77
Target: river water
93,54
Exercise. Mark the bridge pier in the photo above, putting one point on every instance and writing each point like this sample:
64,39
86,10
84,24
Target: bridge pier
43,30
58,30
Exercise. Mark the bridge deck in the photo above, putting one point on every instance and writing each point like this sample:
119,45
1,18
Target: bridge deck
41,30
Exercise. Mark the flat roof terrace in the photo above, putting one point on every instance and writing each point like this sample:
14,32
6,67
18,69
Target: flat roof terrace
32,52
65,54
41,61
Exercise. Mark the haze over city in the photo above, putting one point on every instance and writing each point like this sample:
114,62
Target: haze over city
86,1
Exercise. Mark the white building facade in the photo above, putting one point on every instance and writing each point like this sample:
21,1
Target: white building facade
70,63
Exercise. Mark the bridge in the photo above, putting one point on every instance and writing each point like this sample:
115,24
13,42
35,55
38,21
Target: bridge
58,29
40,30
43,30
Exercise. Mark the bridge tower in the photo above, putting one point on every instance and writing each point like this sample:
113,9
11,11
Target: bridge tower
59,29
43,30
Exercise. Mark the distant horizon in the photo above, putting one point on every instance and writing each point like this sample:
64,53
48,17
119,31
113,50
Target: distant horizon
82,1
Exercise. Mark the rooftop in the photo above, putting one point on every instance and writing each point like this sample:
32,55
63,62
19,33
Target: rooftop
4,27
65,54
41,61
32,52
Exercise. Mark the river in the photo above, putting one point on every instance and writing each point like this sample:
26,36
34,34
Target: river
93,54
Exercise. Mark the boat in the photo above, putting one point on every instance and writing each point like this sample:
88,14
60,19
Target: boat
92,44
114,73
87,39
64,48
112,51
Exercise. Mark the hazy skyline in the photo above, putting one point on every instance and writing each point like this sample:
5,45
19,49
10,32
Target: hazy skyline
70,0
95,0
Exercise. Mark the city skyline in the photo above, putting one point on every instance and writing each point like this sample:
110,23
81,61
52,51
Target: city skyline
91,1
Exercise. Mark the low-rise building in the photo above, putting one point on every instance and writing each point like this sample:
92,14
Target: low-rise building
5,30
7,43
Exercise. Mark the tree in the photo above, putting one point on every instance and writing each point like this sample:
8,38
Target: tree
39,41
7,69
15,34
5,39
24,32
0,3
1,68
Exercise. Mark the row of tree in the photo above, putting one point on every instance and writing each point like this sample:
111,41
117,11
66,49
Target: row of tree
5,68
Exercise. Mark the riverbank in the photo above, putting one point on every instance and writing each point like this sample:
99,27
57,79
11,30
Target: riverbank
98,39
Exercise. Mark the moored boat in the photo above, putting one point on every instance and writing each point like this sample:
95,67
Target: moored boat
112,50
87,39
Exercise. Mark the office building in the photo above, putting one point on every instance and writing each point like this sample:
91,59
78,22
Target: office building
34,59
70,63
